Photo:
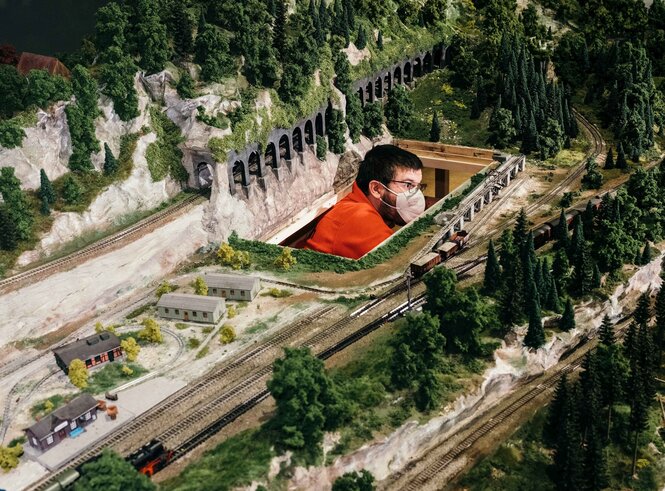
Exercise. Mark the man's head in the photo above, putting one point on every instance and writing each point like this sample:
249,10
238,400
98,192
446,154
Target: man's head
386,172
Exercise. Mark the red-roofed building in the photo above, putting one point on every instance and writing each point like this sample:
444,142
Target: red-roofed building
32,61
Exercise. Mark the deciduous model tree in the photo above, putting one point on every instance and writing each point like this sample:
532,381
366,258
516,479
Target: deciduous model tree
78,373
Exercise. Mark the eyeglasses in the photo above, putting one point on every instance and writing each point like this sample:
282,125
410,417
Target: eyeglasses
411,187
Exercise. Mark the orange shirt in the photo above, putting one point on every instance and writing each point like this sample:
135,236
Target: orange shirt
350,229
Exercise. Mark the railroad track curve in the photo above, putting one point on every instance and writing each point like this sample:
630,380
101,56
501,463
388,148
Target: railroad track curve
104,245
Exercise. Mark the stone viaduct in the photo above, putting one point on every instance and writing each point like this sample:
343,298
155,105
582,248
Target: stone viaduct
250,165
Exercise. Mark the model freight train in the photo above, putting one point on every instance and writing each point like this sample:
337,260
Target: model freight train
545,232
449,248
541,235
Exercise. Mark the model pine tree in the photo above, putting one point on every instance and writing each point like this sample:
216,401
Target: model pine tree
568,452
110,162
621,162
181,29
535,335
379,41
435,130
336,132
583,272
555,411
660,319
399,111
361,38
606,332
577,241
16,204
609,160
46,192
561,232
553,302
152,40
492,281
567,321
355,119
8,230
279,26
595,469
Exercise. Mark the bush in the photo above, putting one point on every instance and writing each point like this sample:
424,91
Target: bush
277,293
193,343
321,148
9,457
164,157
373,119
227,334
11,134
164,287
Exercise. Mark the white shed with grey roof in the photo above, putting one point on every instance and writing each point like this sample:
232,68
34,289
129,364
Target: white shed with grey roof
233,287
195,308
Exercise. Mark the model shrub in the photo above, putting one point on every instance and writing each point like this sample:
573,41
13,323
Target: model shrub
151,331
131,348
9,457
200,287
164,287
11,134
285,260
227,334
78,373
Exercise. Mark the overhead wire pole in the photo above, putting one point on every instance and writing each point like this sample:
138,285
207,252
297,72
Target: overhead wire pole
408,288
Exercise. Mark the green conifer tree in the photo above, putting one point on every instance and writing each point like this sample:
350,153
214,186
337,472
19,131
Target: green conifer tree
278,29
355,119
535,335
151,36
343,74
361,38
646,253
8,230
621,162
435,130
46,192
492,281
555,411
561,232
110,162
336,132
182,26
609,161
399,111
567,321
553,301
379,41
660,323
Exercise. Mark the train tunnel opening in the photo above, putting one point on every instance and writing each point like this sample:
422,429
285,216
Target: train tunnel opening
204,175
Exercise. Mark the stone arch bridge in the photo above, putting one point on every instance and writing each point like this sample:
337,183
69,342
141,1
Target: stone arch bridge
250,166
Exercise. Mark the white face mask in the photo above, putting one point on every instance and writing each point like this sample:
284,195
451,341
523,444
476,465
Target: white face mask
409,206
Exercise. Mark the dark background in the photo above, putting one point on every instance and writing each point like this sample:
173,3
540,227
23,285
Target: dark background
47,26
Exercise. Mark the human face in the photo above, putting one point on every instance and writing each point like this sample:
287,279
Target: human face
404,180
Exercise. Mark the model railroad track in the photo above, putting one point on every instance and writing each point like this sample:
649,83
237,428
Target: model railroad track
597,148
298,286
181,397
7,413
236,391
93,250
548,381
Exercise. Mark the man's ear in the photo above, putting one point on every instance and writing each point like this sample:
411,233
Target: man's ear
375,188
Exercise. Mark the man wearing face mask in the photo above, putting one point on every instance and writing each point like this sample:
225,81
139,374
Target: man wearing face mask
386,192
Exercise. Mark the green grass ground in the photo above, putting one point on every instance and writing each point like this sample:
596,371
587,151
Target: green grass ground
433,92
111,376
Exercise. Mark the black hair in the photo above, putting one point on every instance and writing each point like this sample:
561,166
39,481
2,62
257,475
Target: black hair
380,163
